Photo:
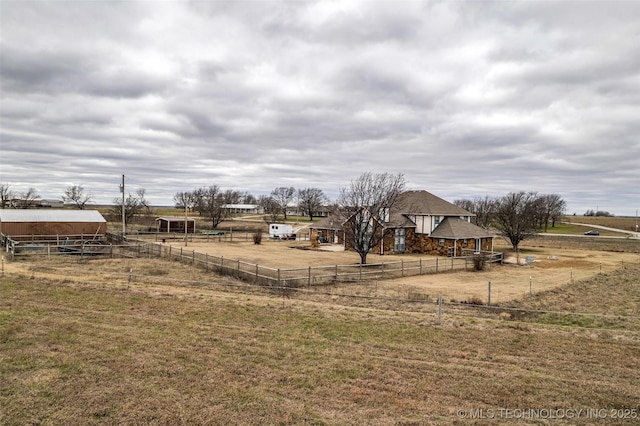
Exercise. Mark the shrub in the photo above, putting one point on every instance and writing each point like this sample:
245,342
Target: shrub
479,261
474,300
257,237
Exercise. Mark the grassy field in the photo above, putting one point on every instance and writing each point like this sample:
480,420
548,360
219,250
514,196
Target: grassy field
89,351
625,223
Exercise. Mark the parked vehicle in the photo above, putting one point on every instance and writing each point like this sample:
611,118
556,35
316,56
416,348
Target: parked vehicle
592,232
280,231
212,232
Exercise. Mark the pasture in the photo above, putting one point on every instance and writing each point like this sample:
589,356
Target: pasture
88,342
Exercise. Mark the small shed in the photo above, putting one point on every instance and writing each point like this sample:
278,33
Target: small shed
51,223
170,224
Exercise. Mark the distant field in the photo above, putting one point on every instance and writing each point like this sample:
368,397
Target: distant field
625,223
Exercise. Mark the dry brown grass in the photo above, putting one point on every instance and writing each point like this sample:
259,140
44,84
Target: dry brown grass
181,346
626,223
87,353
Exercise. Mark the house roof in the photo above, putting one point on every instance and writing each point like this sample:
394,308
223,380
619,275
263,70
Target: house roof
409,203
457,229
333,221
240,206
174,218
50,215
425,203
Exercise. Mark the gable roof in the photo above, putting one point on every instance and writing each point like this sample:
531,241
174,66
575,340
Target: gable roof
452,228
50,215
333,221
425,203
408,203
175,218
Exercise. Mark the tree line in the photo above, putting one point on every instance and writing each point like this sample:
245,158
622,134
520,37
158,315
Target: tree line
517,215
213,202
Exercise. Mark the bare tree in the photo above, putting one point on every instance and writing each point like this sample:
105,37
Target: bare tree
310,200
133,205
368,201
6,195
483,208
466,204
75,195
184,199
210,203
247,198
516,215
283,197
270,207
555,207
29,199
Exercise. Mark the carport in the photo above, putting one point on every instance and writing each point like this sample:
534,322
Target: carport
170,224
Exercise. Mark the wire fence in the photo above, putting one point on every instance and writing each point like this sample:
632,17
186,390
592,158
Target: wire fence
353,285
306,276
438,307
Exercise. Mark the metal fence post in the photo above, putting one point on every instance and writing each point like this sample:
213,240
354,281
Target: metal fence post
489,294
440,308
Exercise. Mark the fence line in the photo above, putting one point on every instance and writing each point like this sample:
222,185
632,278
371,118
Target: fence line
253,273
425,305
311,275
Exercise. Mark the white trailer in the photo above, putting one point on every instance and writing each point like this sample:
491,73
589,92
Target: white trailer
280,231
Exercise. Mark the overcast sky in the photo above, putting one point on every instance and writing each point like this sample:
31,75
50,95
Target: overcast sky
465,98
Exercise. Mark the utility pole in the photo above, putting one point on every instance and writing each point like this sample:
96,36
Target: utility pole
123,216
186,220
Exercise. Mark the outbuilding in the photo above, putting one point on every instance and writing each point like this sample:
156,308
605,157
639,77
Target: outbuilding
170,224
51,223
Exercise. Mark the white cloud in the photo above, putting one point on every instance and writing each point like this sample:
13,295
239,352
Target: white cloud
464,98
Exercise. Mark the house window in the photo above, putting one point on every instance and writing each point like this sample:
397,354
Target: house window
384,214
441,242
399,241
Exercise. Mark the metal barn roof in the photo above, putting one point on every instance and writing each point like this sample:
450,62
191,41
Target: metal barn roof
50,215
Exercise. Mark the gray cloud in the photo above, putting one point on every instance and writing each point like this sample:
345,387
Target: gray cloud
464,98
